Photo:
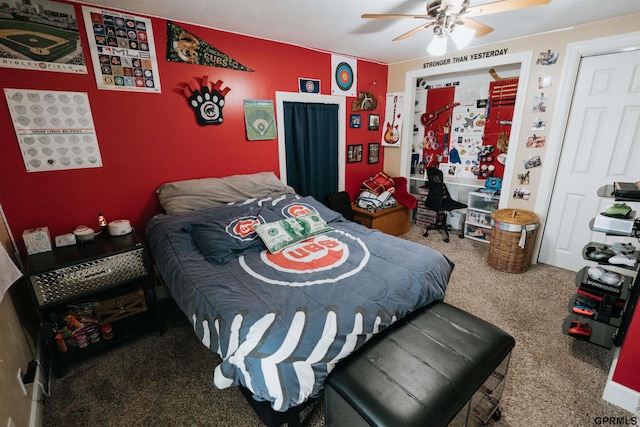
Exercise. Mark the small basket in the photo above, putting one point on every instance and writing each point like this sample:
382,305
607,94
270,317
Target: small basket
120,307
513,236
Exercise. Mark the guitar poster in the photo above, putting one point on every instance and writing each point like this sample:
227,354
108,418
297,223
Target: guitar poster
122,50
393,117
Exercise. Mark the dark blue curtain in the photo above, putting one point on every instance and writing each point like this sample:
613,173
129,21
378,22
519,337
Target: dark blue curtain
311,142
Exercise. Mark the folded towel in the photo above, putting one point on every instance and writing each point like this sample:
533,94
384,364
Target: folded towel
9,273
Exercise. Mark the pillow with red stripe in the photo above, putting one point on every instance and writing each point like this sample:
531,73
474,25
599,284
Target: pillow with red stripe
378,183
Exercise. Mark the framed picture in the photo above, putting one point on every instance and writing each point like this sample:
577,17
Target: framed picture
374,152
448,169
354,153
355,121
374,121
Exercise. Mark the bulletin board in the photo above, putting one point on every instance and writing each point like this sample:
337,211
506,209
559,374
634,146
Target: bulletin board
471,139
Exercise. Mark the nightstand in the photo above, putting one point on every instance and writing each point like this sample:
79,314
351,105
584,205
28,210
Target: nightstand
107,279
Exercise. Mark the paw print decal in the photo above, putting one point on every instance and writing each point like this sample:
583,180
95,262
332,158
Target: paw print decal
207,100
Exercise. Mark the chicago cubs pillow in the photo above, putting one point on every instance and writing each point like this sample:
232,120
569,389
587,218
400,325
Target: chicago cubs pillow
230,233
220,245
287,207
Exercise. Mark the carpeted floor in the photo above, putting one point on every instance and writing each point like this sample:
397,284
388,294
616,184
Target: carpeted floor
553,379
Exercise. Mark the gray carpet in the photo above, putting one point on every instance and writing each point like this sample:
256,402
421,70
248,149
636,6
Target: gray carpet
166,380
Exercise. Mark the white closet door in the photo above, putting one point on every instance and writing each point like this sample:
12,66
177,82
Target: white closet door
601,145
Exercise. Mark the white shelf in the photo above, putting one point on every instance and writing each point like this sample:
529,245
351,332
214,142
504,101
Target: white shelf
478,221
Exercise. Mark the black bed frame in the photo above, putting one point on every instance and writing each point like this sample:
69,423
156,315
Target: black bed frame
291,417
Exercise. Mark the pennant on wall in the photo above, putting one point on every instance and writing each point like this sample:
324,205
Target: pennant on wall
343,79
182,46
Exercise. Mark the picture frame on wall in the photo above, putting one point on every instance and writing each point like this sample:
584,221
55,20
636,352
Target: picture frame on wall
374,153
374,122
355,121
449,169
354,153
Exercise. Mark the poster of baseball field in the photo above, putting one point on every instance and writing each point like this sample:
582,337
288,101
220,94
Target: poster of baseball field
40,35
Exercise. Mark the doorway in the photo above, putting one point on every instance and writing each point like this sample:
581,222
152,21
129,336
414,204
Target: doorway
304,98
600,146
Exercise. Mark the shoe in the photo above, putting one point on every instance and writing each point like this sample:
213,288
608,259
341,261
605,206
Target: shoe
584,311
619,248
599,254
596,272
579,329
586,301
628,260
618,210
605,276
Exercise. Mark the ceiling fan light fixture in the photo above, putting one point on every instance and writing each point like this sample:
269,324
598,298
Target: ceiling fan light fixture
462,35
438,45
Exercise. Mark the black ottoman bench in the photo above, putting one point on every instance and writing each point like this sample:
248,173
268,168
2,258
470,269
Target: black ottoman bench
439,366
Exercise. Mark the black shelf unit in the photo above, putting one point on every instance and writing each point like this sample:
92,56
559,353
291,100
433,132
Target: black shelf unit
105,269
614,307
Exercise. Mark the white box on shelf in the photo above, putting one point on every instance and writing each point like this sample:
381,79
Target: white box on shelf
37,240
607,224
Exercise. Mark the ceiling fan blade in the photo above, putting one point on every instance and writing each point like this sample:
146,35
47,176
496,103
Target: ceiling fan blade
394,15
481,29
414,31
503,6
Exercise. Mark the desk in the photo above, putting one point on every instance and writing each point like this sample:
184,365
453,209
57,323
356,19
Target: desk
456,180
459,187
394,221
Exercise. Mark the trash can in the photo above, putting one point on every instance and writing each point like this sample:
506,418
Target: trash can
513,236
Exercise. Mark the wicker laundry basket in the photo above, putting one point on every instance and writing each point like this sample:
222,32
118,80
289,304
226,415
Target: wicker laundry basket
513,236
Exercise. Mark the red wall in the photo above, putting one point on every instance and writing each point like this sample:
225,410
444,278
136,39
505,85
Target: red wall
148,139
627,372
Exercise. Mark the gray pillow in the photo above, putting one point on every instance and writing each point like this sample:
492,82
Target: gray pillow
194,194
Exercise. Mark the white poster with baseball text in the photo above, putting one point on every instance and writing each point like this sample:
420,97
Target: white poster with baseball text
55,130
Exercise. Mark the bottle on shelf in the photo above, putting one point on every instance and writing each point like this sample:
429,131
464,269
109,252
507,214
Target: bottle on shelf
102,222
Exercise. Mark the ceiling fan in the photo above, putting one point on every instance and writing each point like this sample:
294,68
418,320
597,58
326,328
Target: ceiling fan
453,18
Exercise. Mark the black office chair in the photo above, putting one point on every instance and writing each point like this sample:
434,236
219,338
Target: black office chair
440,201
341,203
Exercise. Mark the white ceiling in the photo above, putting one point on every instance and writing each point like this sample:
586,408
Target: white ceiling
336,25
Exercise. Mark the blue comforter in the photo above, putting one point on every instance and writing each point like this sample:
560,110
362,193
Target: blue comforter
280,322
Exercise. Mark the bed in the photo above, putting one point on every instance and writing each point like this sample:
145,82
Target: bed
281,321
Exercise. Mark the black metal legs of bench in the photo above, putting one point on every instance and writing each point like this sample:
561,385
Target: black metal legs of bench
291,417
